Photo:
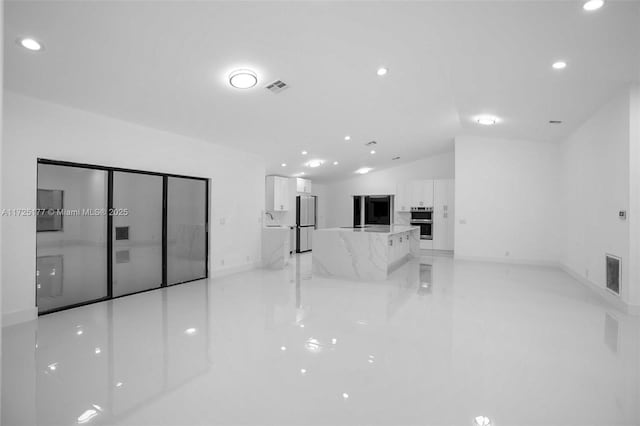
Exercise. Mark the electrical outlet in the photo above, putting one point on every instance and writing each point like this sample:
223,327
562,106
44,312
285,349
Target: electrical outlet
463,221
222,221
222,262
507,253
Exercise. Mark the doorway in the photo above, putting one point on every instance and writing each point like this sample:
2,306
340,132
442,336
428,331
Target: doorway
106,232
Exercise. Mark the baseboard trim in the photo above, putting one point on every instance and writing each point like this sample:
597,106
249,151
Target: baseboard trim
236,269
527,262
604,294
17,317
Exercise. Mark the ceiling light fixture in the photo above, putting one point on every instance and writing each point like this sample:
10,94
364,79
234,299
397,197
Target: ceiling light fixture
382,71
190,331
486,120
347,138
559,65
482,421
363,170
373,151
335,163
283,164
592,5
304,152
30,44
314,163
243,79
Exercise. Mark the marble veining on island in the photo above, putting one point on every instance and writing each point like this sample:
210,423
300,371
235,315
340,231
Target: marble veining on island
369,253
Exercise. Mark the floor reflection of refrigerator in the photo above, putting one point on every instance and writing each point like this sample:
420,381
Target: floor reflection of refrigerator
305,222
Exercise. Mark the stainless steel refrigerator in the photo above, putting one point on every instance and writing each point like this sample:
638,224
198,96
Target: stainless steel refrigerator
305,222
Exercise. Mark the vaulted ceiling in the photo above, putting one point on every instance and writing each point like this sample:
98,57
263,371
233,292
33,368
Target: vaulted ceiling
165,64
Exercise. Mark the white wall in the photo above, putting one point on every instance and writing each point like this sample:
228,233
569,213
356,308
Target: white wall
34,128
339,207
596,176
634,197
507,200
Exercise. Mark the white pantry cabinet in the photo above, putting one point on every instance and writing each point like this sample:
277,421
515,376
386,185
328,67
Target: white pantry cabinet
277,194
303,185
402,200
422,193
443,214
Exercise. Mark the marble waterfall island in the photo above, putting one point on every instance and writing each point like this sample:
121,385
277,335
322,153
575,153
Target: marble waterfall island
369,253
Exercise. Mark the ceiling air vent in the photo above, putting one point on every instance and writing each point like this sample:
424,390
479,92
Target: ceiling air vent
372,143
277,86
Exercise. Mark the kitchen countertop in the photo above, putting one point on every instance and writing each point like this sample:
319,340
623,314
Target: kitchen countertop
378,229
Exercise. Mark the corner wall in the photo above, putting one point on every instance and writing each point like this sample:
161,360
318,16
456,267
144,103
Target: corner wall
601,176
507,200
34,128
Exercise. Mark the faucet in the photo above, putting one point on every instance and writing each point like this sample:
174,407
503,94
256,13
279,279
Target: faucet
269,214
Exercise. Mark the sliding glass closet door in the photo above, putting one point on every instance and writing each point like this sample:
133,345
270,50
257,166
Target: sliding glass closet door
71,238
186,229
137,232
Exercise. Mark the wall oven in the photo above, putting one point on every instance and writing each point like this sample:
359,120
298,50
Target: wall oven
423,218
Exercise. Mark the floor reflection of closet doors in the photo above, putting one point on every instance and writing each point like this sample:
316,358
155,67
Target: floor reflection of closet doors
137,232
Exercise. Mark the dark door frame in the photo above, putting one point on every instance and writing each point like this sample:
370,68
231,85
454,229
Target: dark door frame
165,186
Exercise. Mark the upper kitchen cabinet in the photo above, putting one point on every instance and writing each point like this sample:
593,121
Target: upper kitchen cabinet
277,194
443,214
303,185
422,193
402,200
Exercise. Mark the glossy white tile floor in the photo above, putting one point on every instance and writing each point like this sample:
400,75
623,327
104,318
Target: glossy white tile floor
520,345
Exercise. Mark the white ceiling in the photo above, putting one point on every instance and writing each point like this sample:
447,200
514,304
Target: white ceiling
164,64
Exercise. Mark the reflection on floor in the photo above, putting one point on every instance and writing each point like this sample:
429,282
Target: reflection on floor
440,343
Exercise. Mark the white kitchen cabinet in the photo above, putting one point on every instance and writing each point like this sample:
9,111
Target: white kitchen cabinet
443,214
277,194
422,193
303,185
402,200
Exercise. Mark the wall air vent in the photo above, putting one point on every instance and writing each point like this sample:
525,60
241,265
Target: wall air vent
372,143
277,86
613,273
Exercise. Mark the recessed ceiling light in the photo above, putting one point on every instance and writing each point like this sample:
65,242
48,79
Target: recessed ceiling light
486,120
283,164
335,163
30,44
347,138
592,5
283,348
243,79
314,163
363,170
190,331
482,421
345,395
382,71
304,152
559,65
373,151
